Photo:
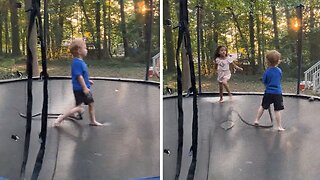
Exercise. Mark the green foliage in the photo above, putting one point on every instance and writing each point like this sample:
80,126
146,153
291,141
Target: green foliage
67,20
116,67
217,21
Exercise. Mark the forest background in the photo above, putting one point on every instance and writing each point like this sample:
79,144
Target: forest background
121,36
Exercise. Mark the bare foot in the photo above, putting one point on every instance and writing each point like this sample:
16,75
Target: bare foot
96,123
221,100
256,123
58,121
57,124
230,97
281,129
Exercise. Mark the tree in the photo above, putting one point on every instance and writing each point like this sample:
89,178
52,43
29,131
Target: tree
124,29
313,36
89,23
237,23
70,18
15,28
275,24
140,21
251,32
6,31
98,25
106,42
33,42
1,31
168,37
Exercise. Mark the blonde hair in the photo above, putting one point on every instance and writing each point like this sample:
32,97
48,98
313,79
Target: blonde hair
75,45
273,57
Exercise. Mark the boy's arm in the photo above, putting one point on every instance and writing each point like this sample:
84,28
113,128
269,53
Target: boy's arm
85,89
264,79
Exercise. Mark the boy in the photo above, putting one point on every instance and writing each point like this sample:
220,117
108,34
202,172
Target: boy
80,83
273,92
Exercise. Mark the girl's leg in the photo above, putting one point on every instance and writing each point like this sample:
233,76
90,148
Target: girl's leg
278,119
226,86
221,92
259,114
78,109
92,115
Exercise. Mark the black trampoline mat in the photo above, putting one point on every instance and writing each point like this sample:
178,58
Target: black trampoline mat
245,152
127,148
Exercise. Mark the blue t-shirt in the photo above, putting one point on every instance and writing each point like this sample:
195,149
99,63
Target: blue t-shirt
272,80
79,67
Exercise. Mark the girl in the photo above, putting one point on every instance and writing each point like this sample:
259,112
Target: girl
222,61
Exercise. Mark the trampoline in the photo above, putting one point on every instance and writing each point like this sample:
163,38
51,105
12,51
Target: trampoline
126,148
244,152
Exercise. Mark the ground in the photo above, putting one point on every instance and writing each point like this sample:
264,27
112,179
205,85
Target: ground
237,83
119,68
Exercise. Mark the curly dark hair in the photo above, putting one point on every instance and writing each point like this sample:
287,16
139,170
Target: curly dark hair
216,53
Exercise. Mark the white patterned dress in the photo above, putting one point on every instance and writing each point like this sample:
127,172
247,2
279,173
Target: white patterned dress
224,73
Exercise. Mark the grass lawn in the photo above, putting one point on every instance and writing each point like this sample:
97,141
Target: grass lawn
97,68
237,83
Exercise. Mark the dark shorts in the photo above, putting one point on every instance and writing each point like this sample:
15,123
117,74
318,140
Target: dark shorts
276,99
83,98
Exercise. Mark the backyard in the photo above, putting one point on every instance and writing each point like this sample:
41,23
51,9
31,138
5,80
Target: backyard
118,68
238,83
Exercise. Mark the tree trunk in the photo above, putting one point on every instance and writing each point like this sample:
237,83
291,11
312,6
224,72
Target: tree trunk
275,24
251,32
202,47
186,77
213,38
98,24
46,27
313,37
1,31
263,40
109,28
106,53
291,34
6,29
33,43
260,65
243,39
124,29
15,35
59,35
23,41
140,19
168,37
148,37
89,24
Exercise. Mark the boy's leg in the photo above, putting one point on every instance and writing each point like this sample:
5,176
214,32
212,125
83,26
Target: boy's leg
67,114
278,119
278,106
259,114
93,121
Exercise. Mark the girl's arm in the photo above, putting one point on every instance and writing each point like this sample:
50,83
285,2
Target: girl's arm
237,67
215,64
